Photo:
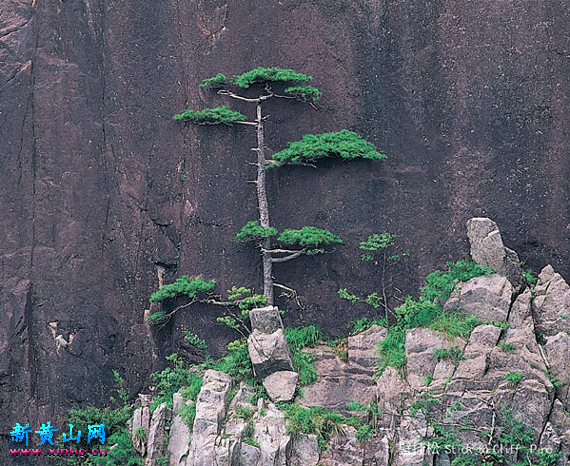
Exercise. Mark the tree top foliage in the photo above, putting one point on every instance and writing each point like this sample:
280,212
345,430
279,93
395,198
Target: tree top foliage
253,231
183,286
257,75
345,144
211,116
308,236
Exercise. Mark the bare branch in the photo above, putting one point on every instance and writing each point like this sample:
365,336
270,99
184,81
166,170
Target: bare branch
283,251
233,95
247,123
286,258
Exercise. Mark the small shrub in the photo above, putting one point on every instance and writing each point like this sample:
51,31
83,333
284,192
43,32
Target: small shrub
513,378
194,339
364,323
453,354
508,347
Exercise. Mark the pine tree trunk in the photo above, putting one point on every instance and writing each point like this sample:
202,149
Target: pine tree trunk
263,208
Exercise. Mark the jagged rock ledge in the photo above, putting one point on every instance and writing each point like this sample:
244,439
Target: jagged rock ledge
503,391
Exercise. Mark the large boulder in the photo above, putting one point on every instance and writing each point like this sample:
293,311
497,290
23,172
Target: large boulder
266,319
345,450
420,346
281,385
362,348
269,352
488,250
551,306
486,297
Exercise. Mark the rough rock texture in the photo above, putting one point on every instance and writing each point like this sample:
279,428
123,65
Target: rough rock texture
362,351
551,306
281,385
420,346
488,298
488,250
266,320
211,407
269,353
157,435
179,440
100,189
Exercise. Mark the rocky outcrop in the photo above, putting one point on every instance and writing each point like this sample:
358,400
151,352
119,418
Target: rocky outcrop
339,381
180,434
487,297
157,435
270,354
211,408
488,250
551,306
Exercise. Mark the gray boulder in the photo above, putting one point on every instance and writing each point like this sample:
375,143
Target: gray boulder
551,306
362,352
338,382
486,297
266,319
269,353
345,450
488,250
305,451
281,385
271,435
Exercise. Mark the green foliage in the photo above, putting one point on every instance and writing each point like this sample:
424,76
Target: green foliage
215,82
529,275
453,354
253,231
427,312
172,379
513,378
237,363
303,363
194,339
121,451
308,236
377,242
345,144
183,286
322,422
423,403
264,75
440,284
508,347
344,294
251,441
246,299
553,380
244,412
364,323
157,318
364,432
211,116
118,439
162,461
374,300
304,93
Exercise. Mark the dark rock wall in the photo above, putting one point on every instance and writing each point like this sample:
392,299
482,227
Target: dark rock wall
99,187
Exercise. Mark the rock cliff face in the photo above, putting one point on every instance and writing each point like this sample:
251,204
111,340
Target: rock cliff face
101,192
502,396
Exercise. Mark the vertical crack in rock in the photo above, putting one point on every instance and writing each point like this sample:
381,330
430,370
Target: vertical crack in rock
31,356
